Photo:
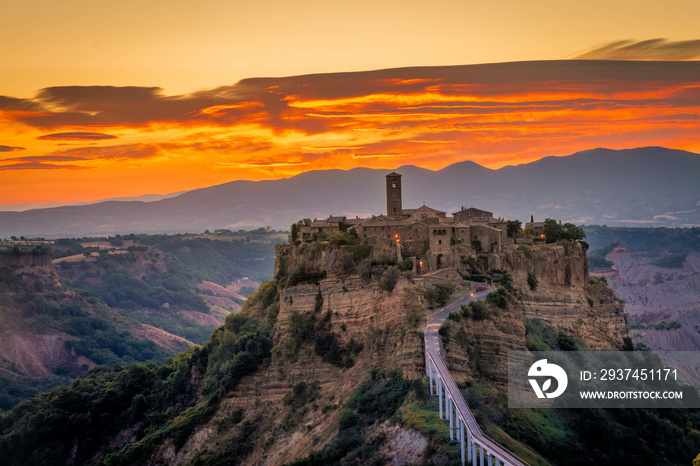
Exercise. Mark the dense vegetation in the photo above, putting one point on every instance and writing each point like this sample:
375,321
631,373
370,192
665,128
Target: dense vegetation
670,261
153,402
576,436
174,265
154,299
220,260
47,306
105,292
555,231
377,399
153,405
653,241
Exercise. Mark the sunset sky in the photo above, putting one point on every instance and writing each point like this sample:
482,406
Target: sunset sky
101,99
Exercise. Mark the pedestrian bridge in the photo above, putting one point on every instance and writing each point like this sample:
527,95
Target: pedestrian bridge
477,447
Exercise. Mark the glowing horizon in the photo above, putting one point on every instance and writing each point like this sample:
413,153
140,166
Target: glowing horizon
76,143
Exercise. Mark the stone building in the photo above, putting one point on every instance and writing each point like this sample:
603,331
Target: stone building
435,240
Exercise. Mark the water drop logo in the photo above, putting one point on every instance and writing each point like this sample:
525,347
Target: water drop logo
541,369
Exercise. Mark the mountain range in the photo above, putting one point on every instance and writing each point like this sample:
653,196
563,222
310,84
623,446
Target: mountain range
649,186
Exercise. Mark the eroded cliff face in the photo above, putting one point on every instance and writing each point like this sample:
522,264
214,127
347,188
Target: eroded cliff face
553,284
26,260
564,295
321,293
351,310
479,348
655,294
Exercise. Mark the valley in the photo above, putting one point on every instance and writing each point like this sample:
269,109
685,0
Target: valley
116,301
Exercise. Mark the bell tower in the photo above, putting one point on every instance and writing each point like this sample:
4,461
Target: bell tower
393,195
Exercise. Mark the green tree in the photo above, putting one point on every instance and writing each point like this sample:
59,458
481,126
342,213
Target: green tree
116,241
553,231
573,232
294,232
529,231
514,227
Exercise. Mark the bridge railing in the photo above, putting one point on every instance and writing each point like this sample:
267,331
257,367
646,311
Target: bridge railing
470,424
464,414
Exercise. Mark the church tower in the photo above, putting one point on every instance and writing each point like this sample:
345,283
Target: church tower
393,195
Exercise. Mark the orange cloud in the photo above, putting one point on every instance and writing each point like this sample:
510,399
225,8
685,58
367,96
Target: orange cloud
495,114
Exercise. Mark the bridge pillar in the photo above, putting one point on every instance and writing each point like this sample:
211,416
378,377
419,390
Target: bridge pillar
474,445
447,399
429,367
470,440
439,389
490,460
449,418
481,455
461,439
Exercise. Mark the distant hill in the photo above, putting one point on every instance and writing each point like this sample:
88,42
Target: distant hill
650,186
144,198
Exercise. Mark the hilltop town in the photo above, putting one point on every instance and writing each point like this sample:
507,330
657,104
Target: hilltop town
433,240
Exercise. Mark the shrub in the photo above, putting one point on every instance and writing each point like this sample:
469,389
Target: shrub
532,281
300,275
406,265
498,298
364,270
413,318
526,249
438,294
445,331
318,305
389,278
358,252
478,310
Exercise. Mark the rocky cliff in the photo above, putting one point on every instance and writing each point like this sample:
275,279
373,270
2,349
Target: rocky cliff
563,294
16,261
366,324
277,382
553,285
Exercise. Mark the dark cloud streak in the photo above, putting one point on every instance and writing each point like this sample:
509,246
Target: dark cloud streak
39,166
652,49
76,136
44,158
126,151
11,149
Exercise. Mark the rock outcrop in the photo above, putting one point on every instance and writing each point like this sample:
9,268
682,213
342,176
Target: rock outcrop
320,292
351,310
564,295
17,261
